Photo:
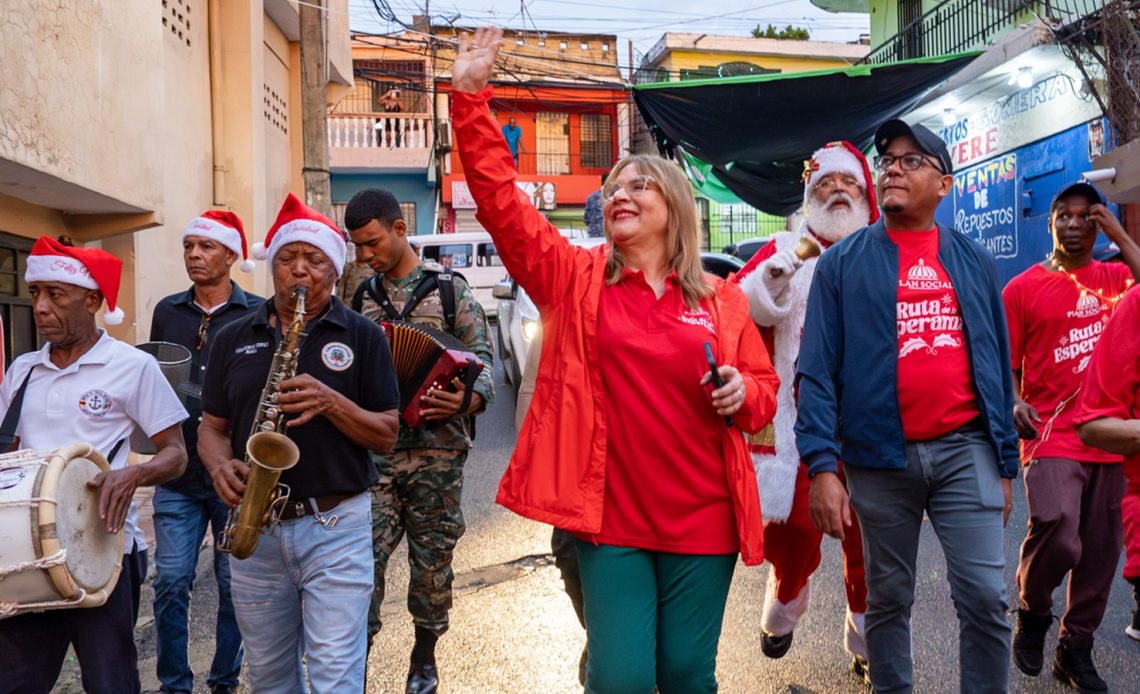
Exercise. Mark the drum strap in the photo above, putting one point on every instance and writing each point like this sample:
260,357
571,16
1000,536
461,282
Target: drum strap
12,419
12,416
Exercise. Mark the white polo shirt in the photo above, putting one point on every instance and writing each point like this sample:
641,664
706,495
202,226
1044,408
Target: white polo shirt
99,399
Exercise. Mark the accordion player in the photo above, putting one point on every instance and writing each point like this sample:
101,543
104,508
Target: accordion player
425,358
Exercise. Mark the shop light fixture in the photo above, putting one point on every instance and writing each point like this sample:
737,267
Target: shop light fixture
1025,77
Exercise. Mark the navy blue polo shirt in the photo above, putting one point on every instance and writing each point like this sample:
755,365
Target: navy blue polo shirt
341,349
178,319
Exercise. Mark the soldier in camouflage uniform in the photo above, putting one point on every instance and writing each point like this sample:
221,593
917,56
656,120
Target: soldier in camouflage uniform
418,492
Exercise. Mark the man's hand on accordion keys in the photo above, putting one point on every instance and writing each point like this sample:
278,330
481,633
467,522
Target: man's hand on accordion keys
305,397
440,403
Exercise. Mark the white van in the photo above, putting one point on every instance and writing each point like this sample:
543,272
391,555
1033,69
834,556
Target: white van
471,254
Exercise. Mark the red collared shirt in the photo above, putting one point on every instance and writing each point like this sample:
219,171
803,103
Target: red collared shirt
666,486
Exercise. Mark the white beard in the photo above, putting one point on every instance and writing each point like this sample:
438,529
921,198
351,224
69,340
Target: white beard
833,225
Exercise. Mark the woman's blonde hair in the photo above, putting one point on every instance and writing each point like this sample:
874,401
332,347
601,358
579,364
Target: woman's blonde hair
682,230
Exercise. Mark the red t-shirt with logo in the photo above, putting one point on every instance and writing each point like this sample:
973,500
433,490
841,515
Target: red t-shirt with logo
936,391
666,485
1053,327
1111,385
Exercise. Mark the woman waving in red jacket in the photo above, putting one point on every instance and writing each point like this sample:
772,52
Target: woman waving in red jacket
626,444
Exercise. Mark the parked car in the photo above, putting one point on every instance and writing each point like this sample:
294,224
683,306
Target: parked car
520,327
471,254
747,248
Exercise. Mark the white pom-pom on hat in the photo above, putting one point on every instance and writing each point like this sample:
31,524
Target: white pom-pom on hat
114,317
258,251
247,266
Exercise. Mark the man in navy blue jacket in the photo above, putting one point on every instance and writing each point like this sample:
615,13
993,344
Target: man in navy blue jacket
904,374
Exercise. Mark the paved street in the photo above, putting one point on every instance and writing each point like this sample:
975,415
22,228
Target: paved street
513,630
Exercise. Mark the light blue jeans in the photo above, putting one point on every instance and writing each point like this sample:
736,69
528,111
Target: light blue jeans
954,479
180,523
304,593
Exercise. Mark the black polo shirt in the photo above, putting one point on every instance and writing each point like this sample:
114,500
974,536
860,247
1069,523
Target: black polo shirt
343,350
178,319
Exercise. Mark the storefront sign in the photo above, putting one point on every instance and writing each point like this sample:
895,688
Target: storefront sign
1051,105
985,200
543,194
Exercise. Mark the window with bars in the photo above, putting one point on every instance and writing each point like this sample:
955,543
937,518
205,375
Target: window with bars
596,141
408,209
552,143
15,301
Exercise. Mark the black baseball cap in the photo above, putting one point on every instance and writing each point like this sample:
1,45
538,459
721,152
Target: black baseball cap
1079,188
927,141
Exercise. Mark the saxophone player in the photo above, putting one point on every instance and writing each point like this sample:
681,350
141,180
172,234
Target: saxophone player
306,587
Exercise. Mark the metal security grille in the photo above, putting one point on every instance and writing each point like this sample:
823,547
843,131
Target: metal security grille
597,143
553,143
375,77
408,209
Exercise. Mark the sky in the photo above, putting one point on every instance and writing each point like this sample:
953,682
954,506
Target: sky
640,21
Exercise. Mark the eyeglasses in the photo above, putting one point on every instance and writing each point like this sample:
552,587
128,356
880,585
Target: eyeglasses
908,162
203,326
828,185
634,186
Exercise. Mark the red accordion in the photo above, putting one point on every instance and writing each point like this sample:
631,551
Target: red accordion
425,358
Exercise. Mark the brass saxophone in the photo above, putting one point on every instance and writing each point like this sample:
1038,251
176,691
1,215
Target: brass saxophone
268,451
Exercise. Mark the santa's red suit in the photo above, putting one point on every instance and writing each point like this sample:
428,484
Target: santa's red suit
791,542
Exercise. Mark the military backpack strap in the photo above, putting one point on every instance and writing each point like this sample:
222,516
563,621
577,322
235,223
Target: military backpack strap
447,298
375,290
427,285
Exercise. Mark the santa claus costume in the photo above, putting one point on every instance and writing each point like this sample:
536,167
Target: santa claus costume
777,295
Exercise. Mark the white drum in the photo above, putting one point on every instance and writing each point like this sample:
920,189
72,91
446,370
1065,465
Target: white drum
54,550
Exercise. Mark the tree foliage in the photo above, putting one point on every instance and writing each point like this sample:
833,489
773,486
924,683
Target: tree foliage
787,33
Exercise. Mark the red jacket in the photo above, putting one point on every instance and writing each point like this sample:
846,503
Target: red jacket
557,472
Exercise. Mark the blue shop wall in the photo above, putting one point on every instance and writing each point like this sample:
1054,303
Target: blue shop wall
1003,202
406,187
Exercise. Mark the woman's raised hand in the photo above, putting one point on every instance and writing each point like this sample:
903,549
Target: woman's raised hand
475,60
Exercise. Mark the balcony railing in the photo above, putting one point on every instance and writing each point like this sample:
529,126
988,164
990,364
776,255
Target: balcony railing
962,25
388,130
402,141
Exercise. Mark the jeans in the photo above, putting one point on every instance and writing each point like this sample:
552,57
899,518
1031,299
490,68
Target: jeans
653,619
180,523
33,645
304,592
954,479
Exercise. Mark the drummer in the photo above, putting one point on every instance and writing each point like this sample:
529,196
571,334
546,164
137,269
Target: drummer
85,386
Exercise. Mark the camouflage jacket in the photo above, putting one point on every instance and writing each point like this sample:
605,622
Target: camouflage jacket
471,328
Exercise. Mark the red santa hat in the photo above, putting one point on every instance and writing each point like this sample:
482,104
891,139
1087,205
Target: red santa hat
841,157
90,268
225,228
298,222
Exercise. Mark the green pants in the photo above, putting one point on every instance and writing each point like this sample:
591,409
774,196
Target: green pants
418,494
653,619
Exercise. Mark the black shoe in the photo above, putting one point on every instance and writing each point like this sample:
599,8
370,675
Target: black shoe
582,667
1073,665
775,646
222,689
422,678
1029,641
861,669
1133,631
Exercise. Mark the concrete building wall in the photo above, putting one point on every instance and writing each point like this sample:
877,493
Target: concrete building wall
74,132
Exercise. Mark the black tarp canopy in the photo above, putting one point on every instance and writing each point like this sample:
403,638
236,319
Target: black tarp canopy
751,134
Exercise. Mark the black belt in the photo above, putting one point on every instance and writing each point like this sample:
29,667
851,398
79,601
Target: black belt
299,508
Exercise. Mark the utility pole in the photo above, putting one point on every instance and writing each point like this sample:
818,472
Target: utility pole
314,109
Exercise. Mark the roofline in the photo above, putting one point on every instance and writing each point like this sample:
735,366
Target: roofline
747,45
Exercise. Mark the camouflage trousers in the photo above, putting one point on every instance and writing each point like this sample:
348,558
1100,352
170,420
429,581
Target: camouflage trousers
418,494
